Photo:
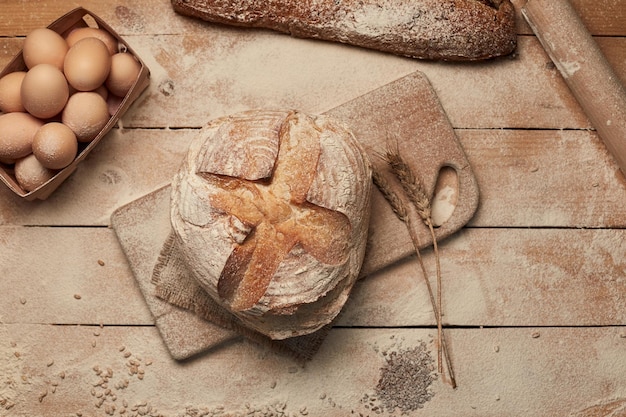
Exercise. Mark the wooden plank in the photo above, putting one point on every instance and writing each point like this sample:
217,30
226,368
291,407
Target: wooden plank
216,79
603,17
217,71
554,178
139,17
504,277
522,92
214,62
526,178
491,277
499,371
67,276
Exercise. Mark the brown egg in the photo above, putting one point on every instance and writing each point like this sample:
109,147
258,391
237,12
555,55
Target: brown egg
87,64
102,90
114,103
44,91
86,113
10,85
17,131
89,32
30,174
124,72
55,145
44,46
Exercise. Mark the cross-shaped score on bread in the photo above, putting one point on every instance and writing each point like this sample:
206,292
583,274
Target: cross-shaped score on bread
278,216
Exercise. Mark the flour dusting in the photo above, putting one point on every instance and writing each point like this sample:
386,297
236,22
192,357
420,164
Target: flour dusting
443,205
568,69
9,371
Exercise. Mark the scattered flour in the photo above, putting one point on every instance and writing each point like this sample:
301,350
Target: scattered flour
10,370
568,69
277,409
443,205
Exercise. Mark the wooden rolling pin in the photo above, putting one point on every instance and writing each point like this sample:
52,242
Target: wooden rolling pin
584,68
428,29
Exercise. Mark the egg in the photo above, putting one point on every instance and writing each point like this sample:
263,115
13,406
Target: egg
87,64
124,72
10,85
44,91
30,174
114,103
17,131
89,32
86,113
44,46
102,90
55,145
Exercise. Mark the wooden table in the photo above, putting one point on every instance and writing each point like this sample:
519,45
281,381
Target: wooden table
535,285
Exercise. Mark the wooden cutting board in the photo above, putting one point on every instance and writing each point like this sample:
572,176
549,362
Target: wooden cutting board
405,114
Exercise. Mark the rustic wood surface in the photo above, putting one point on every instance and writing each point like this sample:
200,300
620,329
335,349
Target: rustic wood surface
534,285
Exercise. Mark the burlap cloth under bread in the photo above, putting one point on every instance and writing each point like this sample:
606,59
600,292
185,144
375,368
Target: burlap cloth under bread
176,285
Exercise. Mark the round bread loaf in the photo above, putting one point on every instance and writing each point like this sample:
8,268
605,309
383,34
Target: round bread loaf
271,210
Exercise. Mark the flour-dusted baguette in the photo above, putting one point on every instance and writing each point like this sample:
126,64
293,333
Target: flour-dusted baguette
271,210
428,29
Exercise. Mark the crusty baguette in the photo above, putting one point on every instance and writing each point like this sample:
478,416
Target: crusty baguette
427,29
271,211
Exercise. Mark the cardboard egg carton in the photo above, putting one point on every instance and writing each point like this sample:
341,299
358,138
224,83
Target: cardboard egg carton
76,18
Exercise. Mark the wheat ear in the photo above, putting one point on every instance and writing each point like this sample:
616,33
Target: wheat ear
401,212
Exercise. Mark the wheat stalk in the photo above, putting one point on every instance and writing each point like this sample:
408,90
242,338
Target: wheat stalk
414,190
401,212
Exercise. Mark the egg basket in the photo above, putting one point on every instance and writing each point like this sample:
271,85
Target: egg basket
76,18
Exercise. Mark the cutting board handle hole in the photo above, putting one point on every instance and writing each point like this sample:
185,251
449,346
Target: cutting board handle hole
445,196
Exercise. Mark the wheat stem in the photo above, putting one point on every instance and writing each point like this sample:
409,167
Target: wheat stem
402,213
